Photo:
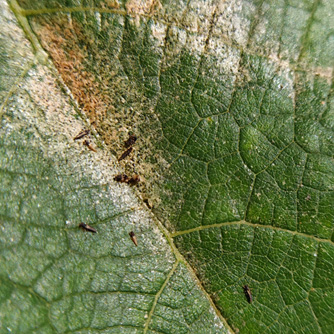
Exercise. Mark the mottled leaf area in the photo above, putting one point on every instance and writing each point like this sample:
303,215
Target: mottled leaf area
55,276
232,103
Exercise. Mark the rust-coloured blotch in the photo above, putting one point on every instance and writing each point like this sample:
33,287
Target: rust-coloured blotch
81,134
133,238
87,228
132,139
248,293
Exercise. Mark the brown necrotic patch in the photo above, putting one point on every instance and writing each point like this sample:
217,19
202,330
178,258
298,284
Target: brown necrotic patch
93,65
69,48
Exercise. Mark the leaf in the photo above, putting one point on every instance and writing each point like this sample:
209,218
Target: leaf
56,278
232,104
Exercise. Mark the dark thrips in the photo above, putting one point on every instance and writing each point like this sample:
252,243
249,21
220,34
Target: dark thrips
81,134
134,180
87,143
248,293
121,178
87,228
133,238
125,154
132,139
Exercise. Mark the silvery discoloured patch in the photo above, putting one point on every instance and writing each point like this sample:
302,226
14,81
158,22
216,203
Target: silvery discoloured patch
227,57
265,38
296,20
229,22
174,10
198,17
324,72
15,52
138,8
13,34
196,44
158,31
233,21
179,39
98,20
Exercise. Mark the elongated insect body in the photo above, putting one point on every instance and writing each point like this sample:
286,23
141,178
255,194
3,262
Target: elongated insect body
81,134
121,178
87,143
132,139
248,294
125,154
87,228
134,180
133,238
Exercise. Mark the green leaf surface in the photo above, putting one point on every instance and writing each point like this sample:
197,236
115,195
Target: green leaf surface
232,104
56,278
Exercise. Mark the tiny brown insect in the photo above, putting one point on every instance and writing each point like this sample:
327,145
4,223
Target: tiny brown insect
87,228
125,154
87,143
248,293
131,140
134,180
133,238
121,178
81,134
